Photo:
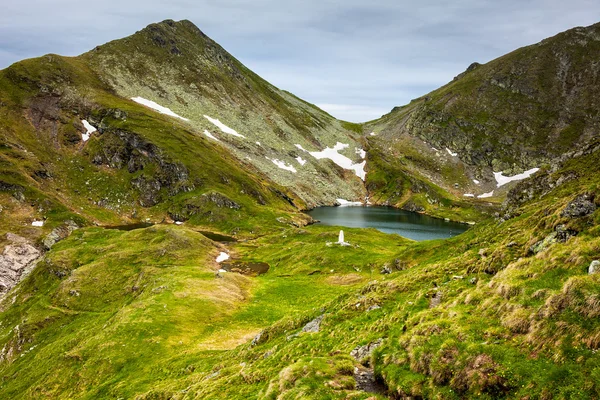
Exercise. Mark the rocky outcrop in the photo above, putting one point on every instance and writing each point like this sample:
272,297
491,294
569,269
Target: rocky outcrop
581,206
16,261
121,149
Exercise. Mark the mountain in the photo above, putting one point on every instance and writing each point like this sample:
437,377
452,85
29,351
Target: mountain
515,113
154,250
175,65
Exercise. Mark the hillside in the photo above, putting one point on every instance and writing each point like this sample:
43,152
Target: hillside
515,113
155,247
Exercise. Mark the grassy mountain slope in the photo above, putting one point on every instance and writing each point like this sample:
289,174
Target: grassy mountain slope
505,310
139,164
109,311
177,66
520,111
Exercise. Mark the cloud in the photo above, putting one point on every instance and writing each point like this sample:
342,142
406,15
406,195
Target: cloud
361,57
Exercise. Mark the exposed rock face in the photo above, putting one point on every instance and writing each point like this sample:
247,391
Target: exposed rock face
122,149
581,206
594,267
17,260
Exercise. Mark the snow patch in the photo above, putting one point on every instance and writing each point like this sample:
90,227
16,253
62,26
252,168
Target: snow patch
361,153
346,203
157,107
224,128
222,257
469,195
89,130
301,148
282,165
333,154
486,195
503,180
475,181
451,153
300,160
258,143
372,134
37,223
210,135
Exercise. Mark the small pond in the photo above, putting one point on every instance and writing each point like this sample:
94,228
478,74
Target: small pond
389,220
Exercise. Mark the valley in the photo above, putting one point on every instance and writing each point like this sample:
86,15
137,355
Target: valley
158,205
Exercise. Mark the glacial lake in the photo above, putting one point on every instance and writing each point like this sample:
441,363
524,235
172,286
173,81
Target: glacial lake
389,220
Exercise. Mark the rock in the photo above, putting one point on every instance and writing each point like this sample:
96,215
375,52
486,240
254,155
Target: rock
59,234
511,244
314,325
435,300
17,260
258,339
581,206
386,270
361,352
543,244
594,267
563,233
366,381
473,281
483,253
374,307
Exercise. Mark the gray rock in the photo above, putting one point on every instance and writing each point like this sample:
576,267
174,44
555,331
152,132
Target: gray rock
435,300
17,260
581,206
367,382
594,267
563,233
314,325
374,307
543,244
361,352
258,339
59,234
386,270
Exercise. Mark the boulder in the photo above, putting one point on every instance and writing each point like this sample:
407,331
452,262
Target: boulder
314,325
386,270
581,206
361,352
59,234
594,267
563,233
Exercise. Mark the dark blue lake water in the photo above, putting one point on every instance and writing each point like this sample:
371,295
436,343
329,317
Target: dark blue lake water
389,220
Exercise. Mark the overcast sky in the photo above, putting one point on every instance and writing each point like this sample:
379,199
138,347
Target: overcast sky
355,59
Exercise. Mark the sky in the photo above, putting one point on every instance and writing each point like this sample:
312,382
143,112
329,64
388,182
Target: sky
355,59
